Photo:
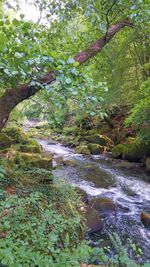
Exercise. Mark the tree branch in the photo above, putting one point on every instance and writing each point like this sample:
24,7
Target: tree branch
12,97
99,44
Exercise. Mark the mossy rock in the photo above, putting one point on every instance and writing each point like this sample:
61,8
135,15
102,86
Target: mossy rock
93,220
33,160
30,149
70,162
73,144
117,151
26,157
103,205
131,140
16,134
5,141
96,149
70,130
99,139
32,146
132,152
85,133
44,163
145,219
83,149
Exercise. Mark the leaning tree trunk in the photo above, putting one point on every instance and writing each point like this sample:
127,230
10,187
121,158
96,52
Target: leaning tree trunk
13,96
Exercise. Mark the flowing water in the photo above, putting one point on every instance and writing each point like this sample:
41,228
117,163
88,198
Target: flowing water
130,188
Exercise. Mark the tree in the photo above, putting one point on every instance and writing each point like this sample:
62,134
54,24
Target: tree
28,61
12,97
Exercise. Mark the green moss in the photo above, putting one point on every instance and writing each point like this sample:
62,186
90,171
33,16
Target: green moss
70,130
5,141
83,149
30,149
117,151
44,163
132,152
95,149
33,160
31,146
131,140
16,134
85,133
70,162
24,144
102,140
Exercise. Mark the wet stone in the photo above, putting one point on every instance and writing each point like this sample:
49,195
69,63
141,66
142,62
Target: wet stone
93,221
103,205
145,219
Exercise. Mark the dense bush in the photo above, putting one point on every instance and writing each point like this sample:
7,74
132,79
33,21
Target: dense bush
140,114
35,231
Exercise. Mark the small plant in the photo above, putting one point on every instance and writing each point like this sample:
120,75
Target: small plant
2,172
39,175
4,180
34,232
121,258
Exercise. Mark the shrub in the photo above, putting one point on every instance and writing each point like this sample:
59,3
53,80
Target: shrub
35,232
140,114
5,141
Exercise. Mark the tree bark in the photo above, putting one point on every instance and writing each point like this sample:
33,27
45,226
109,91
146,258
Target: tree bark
13,96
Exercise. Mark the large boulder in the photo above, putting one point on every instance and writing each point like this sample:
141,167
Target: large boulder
132,152
33,160
103,205
99,139
31,146
147,164
96,149
5,141
70,162
44,163
16,134
82,149
93,220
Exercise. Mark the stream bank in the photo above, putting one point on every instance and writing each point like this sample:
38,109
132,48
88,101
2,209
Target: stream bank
127,188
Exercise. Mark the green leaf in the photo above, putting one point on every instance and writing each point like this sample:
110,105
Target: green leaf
6,71
71,61
15,22
68,81
76,64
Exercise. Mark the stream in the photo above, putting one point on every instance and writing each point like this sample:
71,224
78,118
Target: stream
99,177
